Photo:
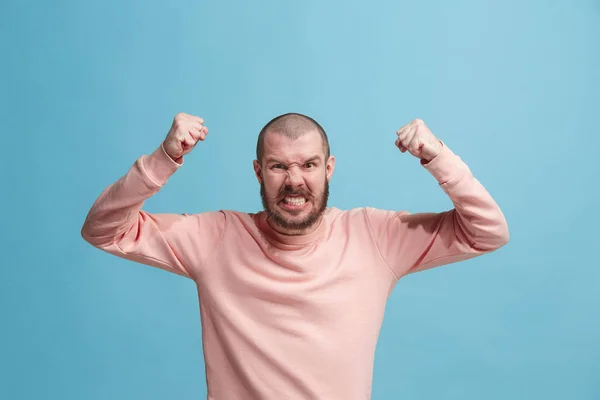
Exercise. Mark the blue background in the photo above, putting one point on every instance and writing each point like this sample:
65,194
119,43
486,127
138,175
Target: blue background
511,87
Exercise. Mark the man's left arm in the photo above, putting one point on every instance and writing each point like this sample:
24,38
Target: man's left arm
415,242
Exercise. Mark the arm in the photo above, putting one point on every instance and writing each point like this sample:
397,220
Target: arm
117,224
415,242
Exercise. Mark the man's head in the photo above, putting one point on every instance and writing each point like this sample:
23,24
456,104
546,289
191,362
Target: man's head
293,167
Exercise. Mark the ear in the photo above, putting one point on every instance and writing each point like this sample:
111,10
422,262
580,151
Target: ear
257,171
329,167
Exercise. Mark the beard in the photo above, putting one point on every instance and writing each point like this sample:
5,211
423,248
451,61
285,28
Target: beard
319,206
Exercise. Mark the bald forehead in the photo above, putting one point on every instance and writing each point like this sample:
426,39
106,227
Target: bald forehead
275,141
280,148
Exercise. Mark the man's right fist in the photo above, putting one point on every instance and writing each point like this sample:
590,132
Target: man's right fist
185,132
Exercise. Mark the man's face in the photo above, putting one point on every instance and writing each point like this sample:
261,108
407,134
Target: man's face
294,180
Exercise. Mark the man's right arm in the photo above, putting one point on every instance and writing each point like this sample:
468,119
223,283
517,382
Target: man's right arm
178,243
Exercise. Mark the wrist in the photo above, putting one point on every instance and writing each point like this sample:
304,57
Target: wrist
426,160
159,166
178,160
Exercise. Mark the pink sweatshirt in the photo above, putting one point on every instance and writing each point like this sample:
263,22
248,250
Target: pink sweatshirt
293,317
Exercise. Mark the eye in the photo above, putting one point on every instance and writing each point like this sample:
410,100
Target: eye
278,166
309,165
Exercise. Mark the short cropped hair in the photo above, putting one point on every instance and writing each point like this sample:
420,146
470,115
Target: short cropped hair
291,125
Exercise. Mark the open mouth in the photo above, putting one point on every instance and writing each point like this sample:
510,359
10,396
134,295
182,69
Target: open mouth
294,202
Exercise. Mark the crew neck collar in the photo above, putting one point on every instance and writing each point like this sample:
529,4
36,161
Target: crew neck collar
290,242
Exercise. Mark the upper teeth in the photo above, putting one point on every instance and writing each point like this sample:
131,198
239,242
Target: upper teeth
295,200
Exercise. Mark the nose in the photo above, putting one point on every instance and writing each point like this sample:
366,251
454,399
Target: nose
294,177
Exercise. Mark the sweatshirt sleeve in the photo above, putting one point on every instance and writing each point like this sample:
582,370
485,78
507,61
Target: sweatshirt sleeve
416,242
178,243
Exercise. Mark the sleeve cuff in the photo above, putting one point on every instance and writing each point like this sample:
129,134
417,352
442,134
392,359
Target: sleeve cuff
446,166
159,166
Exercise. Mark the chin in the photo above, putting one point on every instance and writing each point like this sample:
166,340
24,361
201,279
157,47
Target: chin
295,218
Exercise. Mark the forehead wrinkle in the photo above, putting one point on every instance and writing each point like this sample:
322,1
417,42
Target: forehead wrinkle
309,159
283,149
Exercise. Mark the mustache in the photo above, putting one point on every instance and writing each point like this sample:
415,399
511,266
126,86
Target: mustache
290,191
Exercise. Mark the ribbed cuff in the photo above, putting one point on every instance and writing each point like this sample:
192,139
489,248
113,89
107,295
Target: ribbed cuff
446,166
159,166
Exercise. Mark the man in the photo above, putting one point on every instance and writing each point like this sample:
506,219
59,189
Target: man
292,298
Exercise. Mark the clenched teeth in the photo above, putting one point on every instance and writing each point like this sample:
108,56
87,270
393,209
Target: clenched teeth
296,201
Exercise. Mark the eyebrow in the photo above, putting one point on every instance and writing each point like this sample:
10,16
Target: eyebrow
274,160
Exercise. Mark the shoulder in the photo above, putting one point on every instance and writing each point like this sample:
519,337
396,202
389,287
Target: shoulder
219,217
352,215
222,213
370,215
247,221
361,212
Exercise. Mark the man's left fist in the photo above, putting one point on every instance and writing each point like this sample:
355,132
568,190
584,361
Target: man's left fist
418,140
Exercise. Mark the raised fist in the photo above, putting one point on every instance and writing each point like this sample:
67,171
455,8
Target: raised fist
185,132
417,139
